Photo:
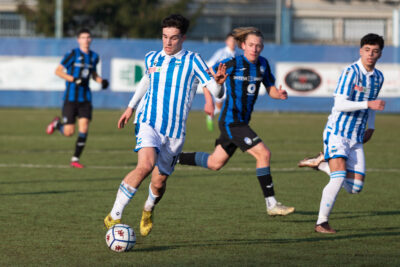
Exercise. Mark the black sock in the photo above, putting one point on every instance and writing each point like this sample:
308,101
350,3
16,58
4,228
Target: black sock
187,158
80,144
266,185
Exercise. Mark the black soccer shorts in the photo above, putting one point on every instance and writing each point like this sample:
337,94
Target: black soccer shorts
237,135
71,110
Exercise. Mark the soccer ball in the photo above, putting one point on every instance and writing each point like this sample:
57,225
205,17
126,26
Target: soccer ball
120,238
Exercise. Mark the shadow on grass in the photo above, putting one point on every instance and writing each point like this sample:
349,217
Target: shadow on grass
343,215
241,242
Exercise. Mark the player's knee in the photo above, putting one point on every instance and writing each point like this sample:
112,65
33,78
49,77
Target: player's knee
159,186
144,169
215,165
68,130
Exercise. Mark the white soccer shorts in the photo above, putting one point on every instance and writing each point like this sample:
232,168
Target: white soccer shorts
336,146
168,149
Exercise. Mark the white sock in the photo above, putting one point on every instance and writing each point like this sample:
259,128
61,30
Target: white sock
124,196
271,202
150,202
329,195
353,186
324,166
74,159
216,111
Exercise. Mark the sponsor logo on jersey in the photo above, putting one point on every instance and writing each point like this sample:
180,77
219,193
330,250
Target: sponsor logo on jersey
303,80
154,69
360,89
247,78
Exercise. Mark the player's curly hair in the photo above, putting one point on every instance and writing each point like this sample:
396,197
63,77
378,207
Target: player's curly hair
240,34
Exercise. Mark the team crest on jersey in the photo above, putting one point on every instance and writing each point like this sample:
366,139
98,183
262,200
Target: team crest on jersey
178,62
248,141
262,69
360,89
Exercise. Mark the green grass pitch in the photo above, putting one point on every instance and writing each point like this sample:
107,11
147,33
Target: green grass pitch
52,214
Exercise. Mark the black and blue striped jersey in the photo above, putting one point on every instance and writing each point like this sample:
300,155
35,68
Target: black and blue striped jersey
79,65
242,87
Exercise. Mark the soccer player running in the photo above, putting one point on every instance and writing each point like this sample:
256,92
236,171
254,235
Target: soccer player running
80,64
223,53
245,75
346,130
165,94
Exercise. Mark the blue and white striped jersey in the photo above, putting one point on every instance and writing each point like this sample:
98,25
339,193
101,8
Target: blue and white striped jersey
79,65
355,84
167,102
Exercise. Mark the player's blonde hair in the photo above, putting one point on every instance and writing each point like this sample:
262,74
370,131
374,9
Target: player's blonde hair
240,34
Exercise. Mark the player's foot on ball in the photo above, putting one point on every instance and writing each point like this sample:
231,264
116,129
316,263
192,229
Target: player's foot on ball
76,164
312,162
324,228
210,123
146,223
280,209
52,125
110,222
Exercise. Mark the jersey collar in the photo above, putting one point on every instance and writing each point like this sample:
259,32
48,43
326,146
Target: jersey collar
363,70
177,55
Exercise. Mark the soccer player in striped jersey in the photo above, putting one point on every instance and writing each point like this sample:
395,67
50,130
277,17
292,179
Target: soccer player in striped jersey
245,75
228,51
165,96
346,130
80,64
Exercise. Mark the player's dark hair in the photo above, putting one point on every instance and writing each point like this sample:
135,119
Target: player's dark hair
83,30
372,39
240,34
176,21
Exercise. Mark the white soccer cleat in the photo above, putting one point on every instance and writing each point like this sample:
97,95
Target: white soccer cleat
280,209
312,162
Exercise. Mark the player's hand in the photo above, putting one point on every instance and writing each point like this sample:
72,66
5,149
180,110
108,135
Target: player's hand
124,119
221,75
376,104
78,81
367,135
104,84
209,108
282,93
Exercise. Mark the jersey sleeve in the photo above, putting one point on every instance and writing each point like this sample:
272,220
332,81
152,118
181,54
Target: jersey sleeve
96,62
147,61
201,70
68,59
347,82
268,77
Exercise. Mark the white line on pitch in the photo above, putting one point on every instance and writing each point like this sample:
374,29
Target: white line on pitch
177,168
